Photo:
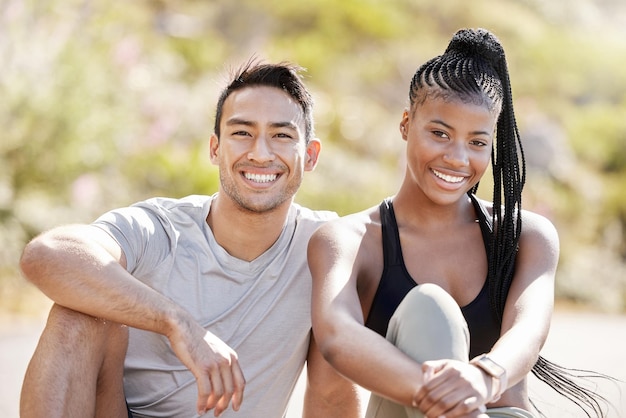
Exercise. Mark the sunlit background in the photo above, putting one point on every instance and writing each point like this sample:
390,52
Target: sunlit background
104,103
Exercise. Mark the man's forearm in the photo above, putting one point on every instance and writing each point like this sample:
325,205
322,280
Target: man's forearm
82,268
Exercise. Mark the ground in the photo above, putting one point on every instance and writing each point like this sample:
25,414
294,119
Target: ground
583,340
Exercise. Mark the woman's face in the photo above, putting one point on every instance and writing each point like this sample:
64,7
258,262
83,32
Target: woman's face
449,145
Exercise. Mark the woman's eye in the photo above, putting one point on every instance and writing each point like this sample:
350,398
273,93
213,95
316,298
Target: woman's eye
440,134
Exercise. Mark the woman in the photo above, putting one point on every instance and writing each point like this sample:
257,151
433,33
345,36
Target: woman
462,293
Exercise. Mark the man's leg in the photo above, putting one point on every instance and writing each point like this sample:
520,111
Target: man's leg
427,325
77,368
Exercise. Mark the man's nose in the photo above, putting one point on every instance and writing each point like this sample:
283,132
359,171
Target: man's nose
261,149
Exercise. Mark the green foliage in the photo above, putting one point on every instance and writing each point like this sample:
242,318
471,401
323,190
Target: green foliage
599,136
106,103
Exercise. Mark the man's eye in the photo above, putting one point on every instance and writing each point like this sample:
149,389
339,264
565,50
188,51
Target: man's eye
241,133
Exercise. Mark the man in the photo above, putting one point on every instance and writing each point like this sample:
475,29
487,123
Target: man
172,307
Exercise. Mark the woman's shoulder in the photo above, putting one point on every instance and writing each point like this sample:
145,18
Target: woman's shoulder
530,219
538,226
351,228
534,225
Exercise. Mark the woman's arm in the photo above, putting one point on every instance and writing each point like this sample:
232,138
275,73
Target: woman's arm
328,394
525,326
530,302
337,256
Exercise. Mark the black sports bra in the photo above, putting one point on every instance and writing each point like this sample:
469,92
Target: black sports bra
396,282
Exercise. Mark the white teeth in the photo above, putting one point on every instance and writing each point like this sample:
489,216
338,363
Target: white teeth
446,177
260,178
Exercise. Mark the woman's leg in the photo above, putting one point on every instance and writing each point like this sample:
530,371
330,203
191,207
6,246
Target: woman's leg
427,325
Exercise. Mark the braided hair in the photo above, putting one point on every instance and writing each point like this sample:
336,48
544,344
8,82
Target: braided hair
473,69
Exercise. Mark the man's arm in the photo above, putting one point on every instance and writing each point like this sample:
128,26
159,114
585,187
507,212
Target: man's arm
328,394
82,268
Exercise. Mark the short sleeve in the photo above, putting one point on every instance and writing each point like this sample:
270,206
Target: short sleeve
142,235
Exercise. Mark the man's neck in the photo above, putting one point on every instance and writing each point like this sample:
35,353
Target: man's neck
245,234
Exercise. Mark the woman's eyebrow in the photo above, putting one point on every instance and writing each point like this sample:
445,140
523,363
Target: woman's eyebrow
440,122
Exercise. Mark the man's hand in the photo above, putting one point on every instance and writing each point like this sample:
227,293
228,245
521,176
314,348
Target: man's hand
213,363
452,389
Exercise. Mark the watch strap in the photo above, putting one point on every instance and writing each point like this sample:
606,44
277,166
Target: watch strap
497,373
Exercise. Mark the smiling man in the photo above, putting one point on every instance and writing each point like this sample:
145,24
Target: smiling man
172,307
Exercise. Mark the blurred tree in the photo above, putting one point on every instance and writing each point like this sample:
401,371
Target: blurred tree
105,103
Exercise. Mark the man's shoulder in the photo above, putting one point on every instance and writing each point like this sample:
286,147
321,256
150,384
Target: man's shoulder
171,203
313,215
169,207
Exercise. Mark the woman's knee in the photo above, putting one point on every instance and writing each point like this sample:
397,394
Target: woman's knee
429,321
428,299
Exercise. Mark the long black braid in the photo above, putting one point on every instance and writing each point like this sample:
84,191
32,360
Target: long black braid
473,69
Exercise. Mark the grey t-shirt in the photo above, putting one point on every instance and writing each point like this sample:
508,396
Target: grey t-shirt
261,308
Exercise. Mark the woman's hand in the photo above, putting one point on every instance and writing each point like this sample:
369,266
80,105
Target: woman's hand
452,389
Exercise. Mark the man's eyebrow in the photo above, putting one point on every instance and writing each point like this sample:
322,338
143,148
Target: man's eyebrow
245,122
287,124
452,128
239,121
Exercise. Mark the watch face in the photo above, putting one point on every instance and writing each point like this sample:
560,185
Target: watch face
490,366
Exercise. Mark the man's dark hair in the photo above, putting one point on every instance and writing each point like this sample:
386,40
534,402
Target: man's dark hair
284,76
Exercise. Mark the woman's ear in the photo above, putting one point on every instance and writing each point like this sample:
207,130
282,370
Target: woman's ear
404,124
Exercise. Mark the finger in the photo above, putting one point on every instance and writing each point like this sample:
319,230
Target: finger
451,406
473,403
227,384
217,389
428,372
439,400
205,395
475,407
435,365
239,384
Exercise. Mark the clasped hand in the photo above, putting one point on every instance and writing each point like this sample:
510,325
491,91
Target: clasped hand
452,389
215,366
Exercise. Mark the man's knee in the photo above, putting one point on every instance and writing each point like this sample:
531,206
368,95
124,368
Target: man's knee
77,367
81,332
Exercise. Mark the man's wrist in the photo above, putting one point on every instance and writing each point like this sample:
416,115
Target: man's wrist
497,373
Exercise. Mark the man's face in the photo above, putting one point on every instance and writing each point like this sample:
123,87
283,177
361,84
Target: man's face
262,153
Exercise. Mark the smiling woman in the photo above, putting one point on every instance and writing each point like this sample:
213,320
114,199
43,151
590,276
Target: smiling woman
449,145
436,301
